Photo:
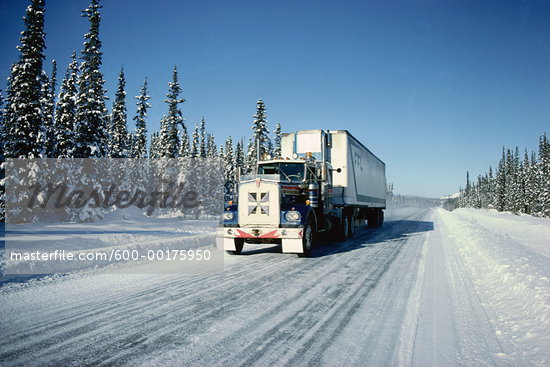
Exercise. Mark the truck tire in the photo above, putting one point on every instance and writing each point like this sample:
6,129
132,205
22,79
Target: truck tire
351,225
239,243
374,218
342,231
307,240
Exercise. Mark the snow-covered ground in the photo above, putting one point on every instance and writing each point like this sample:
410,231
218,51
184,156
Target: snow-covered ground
125,234
431,287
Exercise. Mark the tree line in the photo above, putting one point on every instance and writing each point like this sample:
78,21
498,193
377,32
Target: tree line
38,121
518,185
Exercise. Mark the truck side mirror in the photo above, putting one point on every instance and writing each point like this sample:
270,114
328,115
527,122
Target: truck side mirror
338,170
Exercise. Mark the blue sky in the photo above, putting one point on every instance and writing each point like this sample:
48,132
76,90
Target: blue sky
434,88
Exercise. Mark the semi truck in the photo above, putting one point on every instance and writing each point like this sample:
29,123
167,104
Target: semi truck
323,185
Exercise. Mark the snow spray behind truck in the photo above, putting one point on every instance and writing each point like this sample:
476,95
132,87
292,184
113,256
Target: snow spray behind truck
325,183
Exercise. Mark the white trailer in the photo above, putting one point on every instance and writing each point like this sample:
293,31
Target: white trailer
359,177
324,184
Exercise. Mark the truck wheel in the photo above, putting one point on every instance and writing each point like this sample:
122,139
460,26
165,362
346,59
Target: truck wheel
374,219
307,240
343,229
351,226
239,243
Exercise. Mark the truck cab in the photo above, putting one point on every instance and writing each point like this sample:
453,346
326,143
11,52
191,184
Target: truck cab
291,201
275,205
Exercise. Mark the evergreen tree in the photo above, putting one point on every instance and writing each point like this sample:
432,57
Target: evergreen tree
169,139
229,170
154,149
511,179
543,177
195,143
211,147
65,115
139,146
91,120
23,117
277,140
2,160
239,158
491,189
517,189
251,156
118,134
203,139
468,190
520,186
184,150
528,181
501,183
260,135
2,127
48,95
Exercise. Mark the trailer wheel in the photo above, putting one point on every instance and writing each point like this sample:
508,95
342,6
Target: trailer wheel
239,243
374,218
307,240
351,226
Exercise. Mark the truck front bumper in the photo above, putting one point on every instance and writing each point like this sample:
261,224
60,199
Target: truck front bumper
291,238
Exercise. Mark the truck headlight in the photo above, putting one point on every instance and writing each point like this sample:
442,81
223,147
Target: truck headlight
293,216
228,215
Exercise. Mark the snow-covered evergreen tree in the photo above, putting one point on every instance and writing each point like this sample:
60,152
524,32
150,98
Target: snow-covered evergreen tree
229,170
251,157
154,149
203,139
118,132
2,127
491,189
517,189
527,177
65,115
468,191
239,158
501,183
169,139
2,160
195,143
519,186
23,117
48,114
277,141
543,177
211,147
92,119
510,187
139,141
260,136
184,149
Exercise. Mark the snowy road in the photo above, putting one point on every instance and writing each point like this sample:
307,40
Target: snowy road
429,288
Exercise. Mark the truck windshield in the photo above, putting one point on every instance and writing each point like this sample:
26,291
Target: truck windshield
287,171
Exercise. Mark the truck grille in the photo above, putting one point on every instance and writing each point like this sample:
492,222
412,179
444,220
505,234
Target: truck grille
258,203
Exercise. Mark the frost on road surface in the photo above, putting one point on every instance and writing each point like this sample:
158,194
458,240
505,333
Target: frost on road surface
431,287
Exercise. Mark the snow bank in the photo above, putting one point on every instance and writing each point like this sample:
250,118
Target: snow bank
127,231
530,231
504,256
